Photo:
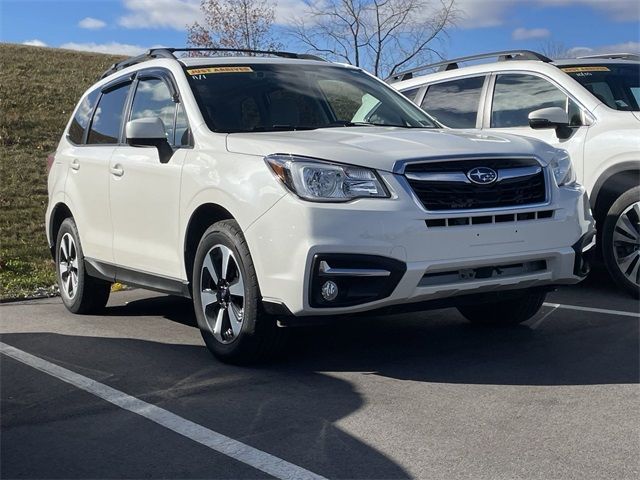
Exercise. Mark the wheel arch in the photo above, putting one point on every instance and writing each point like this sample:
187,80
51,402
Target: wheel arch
202,218
611,184
58,214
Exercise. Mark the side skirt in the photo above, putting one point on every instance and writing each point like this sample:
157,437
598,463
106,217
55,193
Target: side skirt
149,281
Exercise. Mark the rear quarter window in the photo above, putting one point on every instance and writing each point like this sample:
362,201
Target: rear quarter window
81,118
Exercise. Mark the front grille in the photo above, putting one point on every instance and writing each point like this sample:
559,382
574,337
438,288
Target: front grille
462,194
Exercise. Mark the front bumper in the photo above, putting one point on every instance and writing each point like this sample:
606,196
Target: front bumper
438,261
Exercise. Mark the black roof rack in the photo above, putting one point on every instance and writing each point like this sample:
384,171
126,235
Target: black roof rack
613,56
453,63
169,53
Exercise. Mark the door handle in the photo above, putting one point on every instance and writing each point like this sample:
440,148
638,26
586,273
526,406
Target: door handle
75,164
117,170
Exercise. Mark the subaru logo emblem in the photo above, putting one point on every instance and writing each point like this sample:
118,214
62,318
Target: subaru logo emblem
482,175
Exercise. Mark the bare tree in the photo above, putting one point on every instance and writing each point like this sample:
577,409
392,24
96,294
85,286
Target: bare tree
555,50
382,36
243,24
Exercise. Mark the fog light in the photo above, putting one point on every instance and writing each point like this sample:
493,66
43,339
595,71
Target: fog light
329,291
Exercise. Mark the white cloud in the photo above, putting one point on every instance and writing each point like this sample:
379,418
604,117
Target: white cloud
530,33
113,48
91,23
176,14
35,43
483,14
626,47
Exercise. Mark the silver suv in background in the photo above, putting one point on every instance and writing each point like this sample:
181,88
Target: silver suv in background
588,106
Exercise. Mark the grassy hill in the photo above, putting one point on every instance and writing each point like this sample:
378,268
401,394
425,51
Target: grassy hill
39,88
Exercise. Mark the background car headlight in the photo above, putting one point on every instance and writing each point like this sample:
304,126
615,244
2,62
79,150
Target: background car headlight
562,169
322,181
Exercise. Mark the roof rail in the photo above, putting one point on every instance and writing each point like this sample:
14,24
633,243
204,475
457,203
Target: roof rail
613,56
170,53
453,63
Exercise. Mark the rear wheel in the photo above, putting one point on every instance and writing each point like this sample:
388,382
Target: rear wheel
621,241
227,299
505,312
80,292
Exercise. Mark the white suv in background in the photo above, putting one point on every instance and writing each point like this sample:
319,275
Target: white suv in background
283,190
588,106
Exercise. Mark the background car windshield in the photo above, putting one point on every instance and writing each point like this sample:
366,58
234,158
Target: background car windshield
616,85
272,97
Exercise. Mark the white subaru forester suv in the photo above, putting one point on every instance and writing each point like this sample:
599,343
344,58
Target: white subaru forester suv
284,190
588,106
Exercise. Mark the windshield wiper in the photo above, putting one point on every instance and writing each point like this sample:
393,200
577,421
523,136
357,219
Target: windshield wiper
345,123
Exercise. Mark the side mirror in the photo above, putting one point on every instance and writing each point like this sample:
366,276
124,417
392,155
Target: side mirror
145,132
552,117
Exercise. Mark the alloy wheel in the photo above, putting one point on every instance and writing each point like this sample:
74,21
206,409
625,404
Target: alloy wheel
68,266
626,243
222,294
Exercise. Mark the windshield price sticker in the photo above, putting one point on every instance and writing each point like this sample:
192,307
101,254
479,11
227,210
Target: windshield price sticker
206,70
585,69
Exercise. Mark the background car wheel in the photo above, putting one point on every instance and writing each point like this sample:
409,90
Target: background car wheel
621,241
80,292
227,299
506,312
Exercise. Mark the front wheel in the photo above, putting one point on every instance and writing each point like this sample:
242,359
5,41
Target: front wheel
505,312
621,241
227,299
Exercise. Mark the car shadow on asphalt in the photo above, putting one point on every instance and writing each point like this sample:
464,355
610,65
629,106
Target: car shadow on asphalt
570,348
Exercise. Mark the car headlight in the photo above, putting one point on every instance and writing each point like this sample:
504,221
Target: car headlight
562,169
321,181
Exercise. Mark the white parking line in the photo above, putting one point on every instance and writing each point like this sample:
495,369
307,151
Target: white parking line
258,459
543,317
621,313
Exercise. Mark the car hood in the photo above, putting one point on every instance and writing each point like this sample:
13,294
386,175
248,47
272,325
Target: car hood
382,147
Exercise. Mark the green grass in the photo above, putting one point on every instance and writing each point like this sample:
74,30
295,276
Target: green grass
39,88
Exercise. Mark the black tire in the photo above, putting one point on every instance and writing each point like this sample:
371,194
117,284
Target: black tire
629,279
505,312
89,295
258,337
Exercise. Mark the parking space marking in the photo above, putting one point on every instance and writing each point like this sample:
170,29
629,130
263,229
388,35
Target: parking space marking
246,454
543,317
621,313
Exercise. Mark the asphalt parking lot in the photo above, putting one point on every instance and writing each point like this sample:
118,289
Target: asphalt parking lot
422,395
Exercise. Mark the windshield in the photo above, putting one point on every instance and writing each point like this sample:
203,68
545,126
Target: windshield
275,97
616,84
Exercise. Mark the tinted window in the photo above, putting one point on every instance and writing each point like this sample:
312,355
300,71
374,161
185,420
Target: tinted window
272,97
454,104
81,118
615,84
153,100
105,126
517,95
411,93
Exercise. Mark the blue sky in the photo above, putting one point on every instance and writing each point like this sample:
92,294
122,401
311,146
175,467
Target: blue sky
129,26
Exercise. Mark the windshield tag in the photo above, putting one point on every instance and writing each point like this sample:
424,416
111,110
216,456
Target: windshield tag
585,69
203,71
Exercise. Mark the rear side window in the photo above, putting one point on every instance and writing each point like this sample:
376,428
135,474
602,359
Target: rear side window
153,100
517,95
455,104
107,119
411,93
81,119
